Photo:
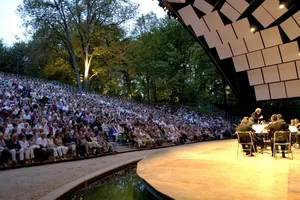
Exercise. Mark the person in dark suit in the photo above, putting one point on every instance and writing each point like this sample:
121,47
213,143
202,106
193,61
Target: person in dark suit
243,127
280,118
257,115
274,126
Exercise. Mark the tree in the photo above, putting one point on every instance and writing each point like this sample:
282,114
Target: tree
68,19
13,59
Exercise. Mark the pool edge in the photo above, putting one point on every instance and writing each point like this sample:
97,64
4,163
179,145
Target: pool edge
67,189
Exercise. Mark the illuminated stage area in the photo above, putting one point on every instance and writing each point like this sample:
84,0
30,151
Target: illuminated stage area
211,170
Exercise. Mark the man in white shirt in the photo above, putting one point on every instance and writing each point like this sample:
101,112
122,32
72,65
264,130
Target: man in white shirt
42,142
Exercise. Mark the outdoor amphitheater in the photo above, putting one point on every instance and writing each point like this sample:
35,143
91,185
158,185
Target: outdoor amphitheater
192,99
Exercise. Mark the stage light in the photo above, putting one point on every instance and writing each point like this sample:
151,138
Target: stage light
281,6
252,29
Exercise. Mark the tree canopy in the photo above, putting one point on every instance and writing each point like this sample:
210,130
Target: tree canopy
87,42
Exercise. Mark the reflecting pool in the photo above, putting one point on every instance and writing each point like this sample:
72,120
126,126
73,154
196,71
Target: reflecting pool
124,185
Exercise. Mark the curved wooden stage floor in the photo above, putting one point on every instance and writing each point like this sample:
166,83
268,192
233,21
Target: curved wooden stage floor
211,170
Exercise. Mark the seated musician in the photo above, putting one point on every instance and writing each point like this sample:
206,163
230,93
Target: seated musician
263,122
257,115
258,139
243,127
297,136
277,125
280,118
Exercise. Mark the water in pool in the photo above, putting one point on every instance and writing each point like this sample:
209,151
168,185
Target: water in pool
123,186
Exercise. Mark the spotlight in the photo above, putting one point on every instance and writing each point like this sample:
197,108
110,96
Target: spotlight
252,29
281,4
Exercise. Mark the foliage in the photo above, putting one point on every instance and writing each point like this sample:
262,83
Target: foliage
159,62
76,27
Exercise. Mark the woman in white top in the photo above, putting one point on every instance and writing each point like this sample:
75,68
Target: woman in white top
61,149
24,149
52,146
32,146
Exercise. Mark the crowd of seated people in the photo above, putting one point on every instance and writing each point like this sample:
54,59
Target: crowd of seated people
40,120
277,123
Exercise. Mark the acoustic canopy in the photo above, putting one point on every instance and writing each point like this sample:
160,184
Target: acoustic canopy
254,43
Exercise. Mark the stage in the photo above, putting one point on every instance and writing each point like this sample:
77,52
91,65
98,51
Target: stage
211,170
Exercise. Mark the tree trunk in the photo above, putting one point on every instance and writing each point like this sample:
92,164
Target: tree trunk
86,74
154,93
74,66
148,88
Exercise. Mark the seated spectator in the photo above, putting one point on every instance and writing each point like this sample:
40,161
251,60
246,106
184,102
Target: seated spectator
43,143
52,147
70,143
25,149
14,148
4,152
61,149
83,144
32,147
105,144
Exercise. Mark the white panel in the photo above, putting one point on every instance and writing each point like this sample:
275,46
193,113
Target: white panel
262,92
240,6
254,42
238,47
271,74
203,6
271,37
287,71
298,68
240,63
230,12
242,28
290,51
277,90
263,16
255,59
272,6
224,51
213,21
176,1
255,77
297,17
227,34
188,15
291,28
272,56
292,88
213,39
200,28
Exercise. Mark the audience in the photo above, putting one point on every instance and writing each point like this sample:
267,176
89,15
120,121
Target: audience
42,119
